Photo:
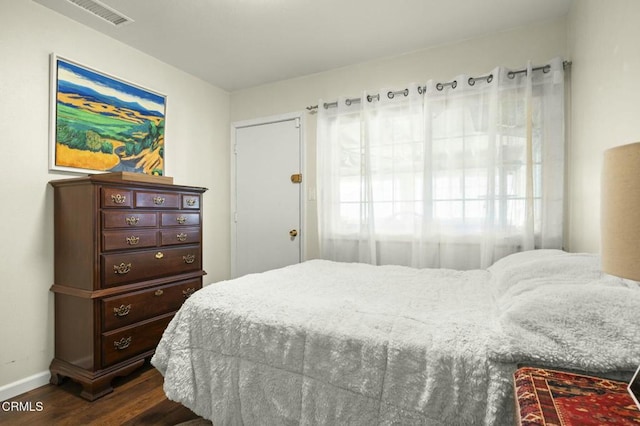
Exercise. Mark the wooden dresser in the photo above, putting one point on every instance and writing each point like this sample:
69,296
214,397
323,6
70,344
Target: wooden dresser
127,254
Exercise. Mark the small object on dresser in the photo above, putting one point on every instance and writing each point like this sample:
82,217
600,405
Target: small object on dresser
133,177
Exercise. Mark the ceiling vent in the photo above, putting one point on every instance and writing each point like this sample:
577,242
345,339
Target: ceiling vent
102,11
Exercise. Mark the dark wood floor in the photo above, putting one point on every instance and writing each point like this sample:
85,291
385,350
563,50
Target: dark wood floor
137,399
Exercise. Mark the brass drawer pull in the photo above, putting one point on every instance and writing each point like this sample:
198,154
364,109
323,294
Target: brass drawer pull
133,240
191,202
123,268
122,311
190,258
158,200
188,292
159,255
181,236
181,220
122,343
132,220
118,198
159,292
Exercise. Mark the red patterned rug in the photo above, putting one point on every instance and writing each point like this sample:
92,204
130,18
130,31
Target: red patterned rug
548,397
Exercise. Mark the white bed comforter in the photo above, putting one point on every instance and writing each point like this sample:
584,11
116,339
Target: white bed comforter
333,343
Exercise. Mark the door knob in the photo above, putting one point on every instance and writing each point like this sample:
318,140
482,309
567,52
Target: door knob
293,233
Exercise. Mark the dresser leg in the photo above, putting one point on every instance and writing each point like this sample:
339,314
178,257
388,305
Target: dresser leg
96,389
94,384
56,379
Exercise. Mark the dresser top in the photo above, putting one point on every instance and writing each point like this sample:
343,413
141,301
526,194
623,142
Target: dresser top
125,178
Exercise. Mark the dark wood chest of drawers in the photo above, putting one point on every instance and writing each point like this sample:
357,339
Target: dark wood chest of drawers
127,255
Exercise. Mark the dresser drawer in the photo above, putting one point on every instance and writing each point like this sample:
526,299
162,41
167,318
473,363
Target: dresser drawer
180,219
179,236
126,342
117,197
191,201
119,311
121,268
128,219
158,200
129,239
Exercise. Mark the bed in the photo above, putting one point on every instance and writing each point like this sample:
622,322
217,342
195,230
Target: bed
324,342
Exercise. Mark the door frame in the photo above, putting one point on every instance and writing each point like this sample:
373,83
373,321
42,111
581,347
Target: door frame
300,117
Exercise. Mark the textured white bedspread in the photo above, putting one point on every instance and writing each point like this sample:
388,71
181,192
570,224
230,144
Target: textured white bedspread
333,343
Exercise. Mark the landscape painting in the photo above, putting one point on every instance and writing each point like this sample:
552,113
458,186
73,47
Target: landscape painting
103,124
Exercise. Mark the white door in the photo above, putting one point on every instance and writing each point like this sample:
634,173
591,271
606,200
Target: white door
267,202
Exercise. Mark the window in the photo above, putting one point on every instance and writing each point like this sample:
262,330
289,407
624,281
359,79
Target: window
451,168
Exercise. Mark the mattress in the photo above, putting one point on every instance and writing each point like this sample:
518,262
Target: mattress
325,342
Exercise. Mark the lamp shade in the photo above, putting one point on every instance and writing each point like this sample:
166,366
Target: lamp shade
620,211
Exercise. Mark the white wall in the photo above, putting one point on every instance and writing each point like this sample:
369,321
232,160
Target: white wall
197,153
603,43
474,57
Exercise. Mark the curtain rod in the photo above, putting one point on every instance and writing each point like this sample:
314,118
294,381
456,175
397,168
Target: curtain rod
439,86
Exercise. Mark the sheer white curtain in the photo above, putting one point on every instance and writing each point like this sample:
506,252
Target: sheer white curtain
456,177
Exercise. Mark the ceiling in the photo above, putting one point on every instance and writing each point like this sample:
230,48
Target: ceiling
236,44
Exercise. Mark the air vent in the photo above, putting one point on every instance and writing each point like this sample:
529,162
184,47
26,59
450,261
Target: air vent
103,11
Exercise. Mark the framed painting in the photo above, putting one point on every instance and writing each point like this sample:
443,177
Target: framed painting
100,123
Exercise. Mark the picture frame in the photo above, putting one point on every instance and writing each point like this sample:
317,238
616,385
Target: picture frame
100,123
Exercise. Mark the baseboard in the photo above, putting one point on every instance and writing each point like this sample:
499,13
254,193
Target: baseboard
24,385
